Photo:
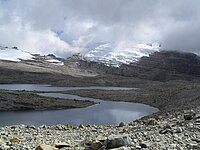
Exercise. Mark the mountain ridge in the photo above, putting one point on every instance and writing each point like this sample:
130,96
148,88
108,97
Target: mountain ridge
158,66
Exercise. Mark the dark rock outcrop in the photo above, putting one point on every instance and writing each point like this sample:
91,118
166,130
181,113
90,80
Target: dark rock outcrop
159,66
166,65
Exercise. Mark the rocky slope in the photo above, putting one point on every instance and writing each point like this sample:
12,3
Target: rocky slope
168,65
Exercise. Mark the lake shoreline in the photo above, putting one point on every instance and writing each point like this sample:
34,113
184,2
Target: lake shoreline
166,96
47,98
151,133
25,100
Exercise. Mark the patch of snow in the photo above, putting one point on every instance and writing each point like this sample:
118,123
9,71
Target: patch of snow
13,54
55,62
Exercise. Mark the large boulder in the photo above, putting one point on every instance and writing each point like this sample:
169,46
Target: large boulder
115,141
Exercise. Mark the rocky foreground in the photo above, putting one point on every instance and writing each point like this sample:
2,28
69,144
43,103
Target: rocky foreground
177,131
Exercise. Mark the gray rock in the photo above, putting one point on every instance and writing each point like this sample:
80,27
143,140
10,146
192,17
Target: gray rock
81,126
197,120
164,131
178,130
31,127
167,126
144,145
193,146
101,139
5,147
189,116
96,145
197,116
197,140
29,138
61,145
138,147
152,122
190,125
122,124
43,126
115,141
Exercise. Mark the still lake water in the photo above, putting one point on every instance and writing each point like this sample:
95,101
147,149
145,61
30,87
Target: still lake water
107,112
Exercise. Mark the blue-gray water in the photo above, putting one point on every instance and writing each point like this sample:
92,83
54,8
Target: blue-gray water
45,87
107,112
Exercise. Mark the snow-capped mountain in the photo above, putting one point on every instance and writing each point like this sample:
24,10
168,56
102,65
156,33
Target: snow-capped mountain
106,54
102,53
16,55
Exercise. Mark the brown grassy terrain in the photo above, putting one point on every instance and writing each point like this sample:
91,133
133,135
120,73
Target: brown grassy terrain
165,96
22,100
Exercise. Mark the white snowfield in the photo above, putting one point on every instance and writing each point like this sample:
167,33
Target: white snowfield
105,54
14,54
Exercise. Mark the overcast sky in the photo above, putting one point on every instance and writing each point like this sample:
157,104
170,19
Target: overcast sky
69,26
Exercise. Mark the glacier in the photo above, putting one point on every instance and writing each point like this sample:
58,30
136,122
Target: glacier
105,53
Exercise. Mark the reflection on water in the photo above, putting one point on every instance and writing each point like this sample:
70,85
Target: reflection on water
107,112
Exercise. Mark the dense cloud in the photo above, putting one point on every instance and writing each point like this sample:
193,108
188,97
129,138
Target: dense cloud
68,26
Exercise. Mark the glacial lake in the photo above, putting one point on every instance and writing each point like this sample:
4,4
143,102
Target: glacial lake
106,112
